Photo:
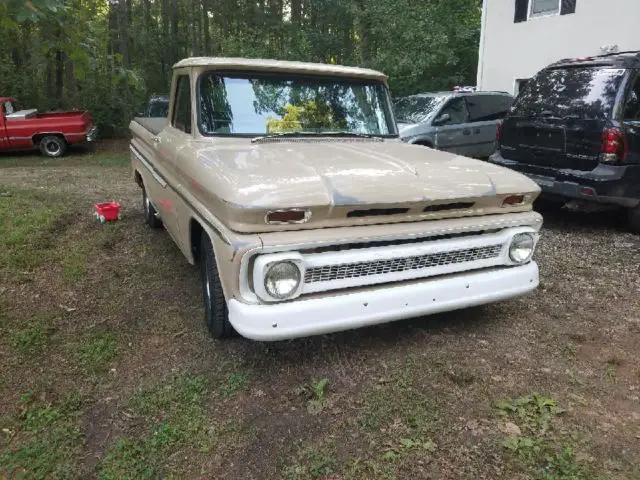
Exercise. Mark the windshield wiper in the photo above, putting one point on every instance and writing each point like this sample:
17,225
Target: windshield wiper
315,134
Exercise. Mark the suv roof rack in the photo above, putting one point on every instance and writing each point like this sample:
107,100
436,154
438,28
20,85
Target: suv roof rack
626,59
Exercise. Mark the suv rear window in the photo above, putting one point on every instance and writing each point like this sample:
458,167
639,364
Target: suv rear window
581,92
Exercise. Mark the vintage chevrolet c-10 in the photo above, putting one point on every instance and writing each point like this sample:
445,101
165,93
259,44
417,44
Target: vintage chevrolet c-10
288,185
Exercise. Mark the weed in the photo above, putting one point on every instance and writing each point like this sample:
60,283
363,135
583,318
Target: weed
319,387
563,466
174,396
236,382
406,445
98,352
312,464
316,395
570,349
176,421
533,413
74,264
402,408
31,340
611,368
462,378
25,219
46,442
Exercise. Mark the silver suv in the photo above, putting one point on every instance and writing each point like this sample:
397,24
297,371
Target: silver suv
459,122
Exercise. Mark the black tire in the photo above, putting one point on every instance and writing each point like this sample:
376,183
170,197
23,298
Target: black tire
216,313
634,219
150,215
53,146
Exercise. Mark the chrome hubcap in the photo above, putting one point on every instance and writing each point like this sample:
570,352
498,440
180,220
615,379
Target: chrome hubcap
53,148
207,286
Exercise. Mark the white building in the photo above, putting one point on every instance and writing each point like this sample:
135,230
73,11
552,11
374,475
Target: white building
520,37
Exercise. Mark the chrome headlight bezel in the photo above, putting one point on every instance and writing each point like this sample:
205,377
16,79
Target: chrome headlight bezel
291,279
522,247
265,264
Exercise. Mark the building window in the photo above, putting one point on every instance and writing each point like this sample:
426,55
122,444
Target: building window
526,9
520,83
539,8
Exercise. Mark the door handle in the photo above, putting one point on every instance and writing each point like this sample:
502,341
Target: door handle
466,131
477,130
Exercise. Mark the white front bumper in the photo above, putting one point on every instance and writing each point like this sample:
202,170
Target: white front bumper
333,313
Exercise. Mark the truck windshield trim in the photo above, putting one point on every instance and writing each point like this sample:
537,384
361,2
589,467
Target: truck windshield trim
251,104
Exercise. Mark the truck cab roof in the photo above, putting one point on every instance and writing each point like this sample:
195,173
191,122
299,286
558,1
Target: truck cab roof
256,64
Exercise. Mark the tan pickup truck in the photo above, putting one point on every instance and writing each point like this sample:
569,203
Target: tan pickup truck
288,185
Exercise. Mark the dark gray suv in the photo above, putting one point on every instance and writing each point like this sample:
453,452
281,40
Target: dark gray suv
458,122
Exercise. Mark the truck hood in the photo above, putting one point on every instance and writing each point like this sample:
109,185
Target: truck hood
333,178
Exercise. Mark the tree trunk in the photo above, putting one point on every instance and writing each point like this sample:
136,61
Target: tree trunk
206,37
364,32
296,12
175,48
123,33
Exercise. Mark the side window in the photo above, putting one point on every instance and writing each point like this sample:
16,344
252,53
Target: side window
521,83
182,110
485,108
632,107
456,108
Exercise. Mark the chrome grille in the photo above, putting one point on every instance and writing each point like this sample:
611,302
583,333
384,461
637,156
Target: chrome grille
380,267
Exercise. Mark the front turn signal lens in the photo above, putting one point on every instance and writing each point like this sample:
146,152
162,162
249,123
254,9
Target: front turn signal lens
513,200
288,216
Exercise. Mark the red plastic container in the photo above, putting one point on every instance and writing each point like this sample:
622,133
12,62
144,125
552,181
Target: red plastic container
107,211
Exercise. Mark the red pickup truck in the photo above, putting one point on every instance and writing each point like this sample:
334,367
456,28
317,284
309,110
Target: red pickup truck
51,132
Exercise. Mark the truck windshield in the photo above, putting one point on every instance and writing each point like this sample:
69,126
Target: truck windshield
417,109
258,104
586,93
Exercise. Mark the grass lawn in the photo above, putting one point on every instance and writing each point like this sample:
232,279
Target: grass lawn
108,371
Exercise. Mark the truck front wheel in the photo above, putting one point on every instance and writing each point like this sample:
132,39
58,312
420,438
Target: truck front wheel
53,146
216,313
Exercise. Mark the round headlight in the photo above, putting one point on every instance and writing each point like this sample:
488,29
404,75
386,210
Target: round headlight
521,248
282,279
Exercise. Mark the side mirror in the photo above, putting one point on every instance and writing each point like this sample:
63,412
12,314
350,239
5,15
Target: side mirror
442,119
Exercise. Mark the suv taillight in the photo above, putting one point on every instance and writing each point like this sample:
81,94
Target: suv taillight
498,133
614,146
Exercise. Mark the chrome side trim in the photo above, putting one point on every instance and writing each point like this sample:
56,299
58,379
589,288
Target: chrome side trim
154,173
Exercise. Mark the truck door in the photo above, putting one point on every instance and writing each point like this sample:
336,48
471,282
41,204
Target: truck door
453,133
177,135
